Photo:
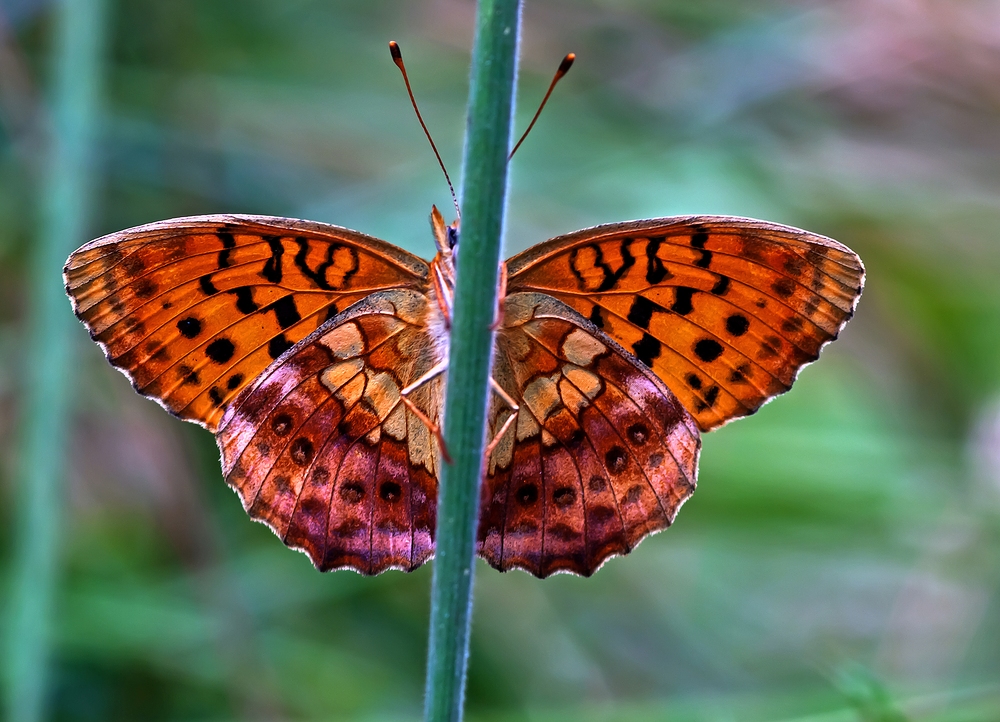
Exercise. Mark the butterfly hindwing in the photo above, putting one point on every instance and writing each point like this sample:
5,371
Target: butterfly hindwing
724,310
600,454
322,449
194,309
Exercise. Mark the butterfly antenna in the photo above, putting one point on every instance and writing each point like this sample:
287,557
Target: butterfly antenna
564,67
397,58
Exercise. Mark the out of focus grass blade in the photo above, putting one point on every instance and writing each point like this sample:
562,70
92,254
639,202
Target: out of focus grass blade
65,212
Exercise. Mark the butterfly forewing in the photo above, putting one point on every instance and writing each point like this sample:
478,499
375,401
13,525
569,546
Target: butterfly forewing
724,310
322,449
600,454
194,309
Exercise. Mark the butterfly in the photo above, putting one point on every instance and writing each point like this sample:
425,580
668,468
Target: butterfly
317,356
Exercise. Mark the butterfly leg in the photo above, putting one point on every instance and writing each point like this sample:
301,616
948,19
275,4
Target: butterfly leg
431,426
508,421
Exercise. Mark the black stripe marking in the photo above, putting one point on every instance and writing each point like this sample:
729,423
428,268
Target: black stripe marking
228,243
641,312
244,300
647,349
207,287
682,300
596,317
272,268
611,278
319,275
656,271
285,311
705,260
699,238
580,281
331,311
721,286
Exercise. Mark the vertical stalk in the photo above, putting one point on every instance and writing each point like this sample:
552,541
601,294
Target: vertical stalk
65,205
484,187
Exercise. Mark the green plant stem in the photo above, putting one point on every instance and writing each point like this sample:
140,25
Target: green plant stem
491,105
65,204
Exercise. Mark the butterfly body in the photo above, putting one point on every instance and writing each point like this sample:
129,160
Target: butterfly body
318,355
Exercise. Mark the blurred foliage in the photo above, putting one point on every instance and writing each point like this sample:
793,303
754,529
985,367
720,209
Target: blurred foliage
839,561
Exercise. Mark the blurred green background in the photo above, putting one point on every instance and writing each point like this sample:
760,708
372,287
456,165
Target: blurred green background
840,558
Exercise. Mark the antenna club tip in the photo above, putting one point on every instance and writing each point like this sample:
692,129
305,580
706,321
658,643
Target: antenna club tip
394,51
567,63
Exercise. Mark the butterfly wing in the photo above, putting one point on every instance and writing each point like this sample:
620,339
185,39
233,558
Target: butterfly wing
600,453
192,310
322,449
724,310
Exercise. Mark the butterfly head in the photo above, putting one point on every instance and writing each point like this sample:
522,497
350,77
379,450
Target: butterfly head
443,265
445,236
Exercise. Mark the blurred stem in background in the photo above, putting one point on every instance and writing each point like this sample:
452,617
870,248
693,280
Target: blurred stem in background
484,189
65,203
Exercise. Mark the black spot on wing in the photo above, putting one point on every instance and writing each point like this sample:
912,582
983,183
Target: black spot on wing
527,494
699,238
647,349
220,350
641,312
189,327
705,260
708,349
390,491
737,324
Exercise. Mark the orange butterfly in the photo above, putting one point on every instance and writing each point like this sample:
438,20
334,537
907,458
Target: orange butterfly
317,356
